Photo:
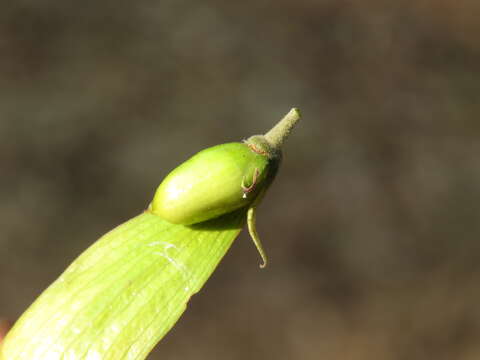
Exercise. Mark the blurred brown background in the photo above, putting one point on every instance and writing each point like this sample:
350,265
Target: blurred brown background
372,226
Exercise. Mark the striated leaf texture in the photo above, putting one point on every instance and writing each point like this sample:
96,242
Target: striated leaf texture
124,293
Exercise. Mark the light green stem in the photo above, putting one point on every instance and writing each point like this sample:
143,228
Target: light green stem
252,228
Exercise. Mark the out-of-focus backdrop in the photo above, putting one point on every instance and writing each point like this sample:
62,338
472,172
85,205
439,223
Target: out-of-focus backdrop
373,224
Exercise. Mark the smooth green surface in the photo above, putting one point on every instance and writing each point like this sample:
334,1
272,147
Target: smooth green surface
121,296
209,184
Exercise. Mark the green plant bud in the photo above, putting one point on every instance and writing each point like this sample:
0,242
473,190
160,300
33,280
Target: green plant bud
124,293
215,181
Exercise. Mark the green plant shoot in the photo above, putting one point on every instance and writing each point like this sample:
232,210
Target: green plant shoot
124,293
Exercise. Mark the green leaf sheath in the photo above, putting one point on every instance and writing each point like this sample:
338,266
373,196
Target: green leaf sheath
123,294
